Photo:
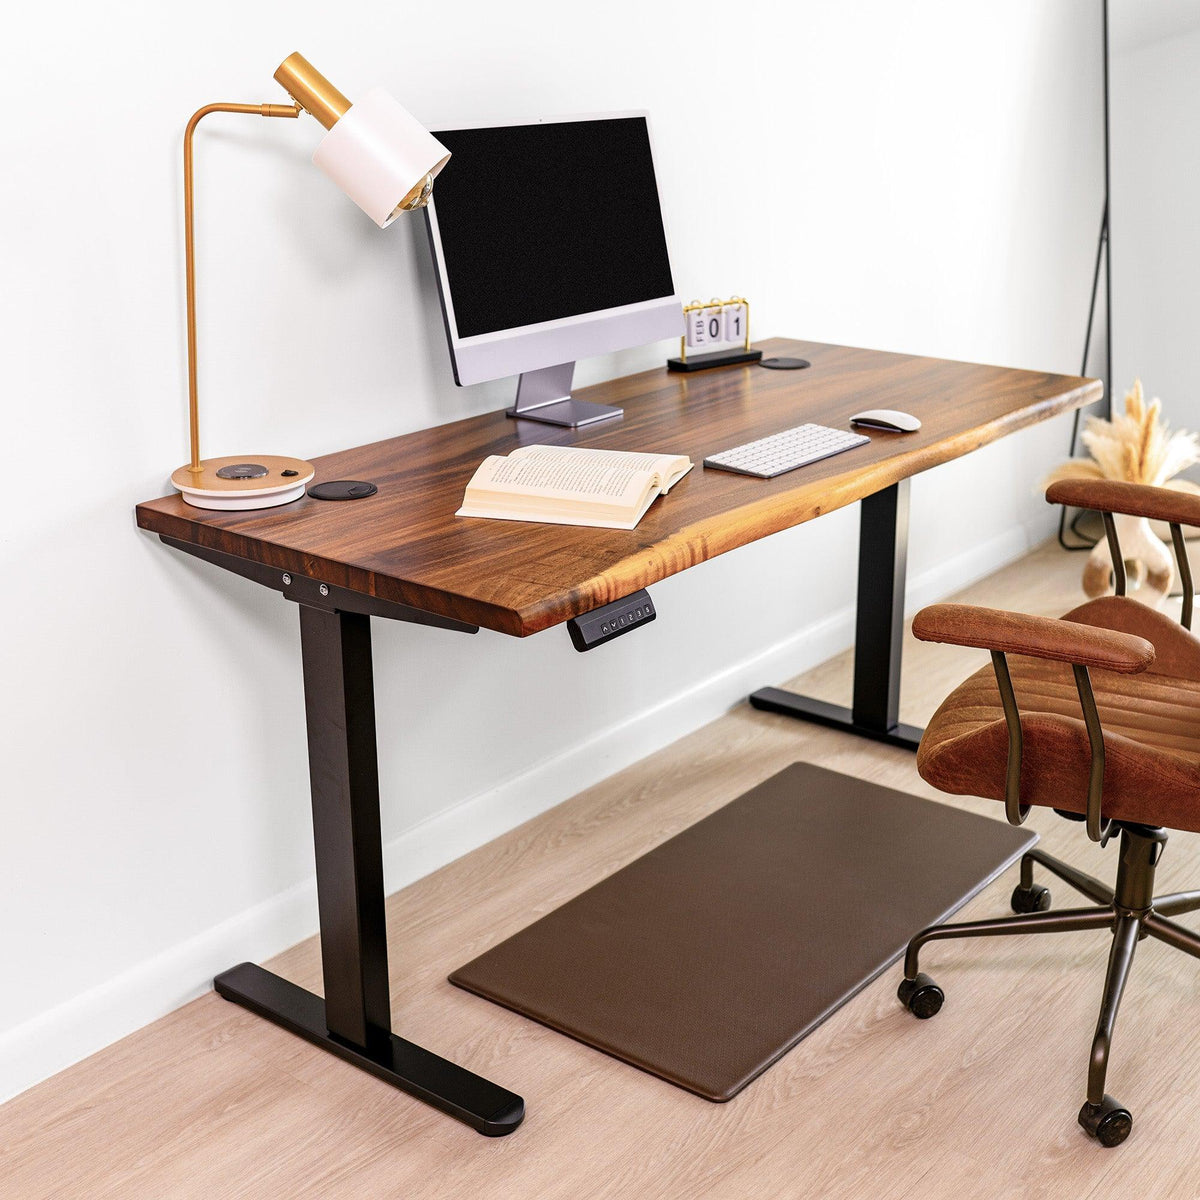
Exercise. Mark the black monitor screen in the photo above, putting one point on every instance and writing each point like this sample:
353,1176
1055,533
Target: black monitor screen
541,222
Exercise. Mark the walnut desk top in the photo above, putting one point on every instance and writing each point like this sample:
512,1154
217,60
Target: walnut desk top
405,545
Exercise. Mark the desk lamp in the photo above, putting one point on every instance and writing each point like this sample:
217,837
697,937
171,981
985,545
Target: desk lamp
385,162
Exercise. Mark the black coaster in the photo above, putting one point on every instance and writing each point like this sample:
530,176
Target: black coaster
710,957
342,489
785,364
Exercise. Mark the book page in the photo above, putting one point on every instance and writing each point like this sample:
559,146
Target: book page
571,485
664,470
567,473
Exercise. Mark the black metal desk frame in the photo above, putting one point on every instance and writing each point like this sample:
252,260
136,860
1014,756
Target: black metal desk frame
353,1021
878,637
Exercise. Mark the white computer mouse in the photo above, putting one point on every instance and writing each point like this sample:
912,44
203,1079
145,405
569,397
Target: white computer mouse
887,418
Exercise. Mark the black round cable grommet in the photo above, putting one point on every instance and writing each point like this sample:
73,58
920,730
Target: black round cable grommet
784,364
342,489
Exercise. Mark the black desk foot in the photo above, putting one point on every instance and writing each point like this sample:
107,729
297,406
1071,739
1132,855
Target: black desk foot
805,708
878,633
492,1110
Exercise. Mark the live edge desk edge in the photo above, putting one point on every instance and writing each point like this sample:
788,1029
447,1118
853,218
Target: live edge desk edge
404,556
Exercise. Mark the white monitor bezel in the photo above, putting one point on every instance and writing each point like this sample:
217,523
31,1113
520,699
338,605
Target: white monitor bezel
505,352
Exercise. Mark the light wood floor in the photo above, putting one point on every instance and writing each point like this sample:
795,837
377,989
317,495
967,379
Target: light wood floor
981,1102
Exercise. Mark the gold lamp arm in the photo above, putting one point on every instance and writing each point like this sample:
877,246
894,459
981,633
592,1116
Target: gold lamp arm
260,110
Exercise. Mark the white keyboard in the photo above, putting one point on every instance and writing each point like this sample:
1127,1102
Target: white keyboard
785,451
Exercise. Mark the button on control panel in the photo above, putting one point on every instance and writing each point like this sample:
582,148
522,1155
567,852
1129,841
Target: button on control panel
603,624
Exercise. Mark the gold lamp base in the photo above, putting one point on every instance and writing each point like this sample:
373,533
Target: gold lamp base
242,482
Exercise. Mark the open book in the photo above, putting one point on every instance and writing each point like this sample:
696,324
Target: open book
571,485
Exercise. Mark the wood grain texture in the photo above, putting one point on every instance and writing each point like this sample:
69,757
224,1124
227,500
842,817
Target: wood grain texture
406,545
978,1103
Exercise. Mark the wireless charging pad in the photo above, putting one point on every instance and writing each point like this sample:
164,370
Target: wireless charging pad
785,364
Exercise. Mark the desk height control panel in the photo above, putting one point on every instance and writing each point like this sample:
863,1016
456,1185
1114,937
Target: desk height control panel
603,624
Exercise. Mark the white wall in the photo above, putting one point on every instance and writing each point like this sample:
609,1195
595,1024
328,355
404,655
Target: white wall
1155,133
919,176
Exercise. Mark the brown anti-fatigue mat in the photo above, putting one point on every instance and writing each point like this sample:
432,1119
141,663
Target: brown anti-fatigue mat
711,956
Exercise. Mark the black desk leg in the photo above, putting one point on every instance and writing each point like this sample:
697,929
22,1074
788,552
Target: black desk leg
354,1019
879,633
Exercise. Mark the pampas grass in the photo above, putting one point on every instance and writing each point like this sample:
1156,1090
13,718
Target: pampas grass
1134,447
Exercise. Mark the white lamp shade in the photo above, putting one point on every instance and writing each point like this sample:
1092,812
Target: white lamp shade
377,153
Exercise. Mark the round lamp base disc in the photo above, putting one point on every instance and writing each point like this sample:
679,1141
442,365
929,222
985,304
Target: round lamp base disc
245,481
232,502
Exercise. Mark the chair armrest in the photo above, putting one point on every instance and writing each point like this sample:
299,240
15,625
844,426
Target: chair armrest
1039,637
1133,499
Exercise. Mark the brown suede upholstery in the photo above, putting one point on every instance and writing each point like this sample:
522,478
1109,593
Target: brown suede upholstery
1135,499
1151,725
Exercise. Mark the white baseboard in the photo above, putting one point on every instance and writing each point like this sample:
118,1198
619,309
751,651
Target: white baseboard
63,1035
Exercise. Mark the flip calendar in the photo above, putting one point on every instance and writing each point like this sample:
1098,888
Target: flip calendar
712,323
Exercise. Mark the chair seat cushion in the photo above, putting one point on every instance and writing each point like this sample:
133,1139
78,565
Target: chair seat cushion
1151,725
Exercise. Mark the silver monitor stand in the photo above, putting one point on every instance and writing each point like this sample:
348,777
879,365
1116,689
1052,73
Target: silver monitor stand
545,395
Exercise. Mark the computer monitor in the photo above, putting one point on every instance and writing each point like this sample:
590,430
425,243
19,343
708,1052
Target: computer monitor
549,246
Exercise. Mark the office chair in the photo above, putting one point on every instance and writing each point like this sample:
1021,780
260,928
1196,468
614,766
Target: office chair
1097,716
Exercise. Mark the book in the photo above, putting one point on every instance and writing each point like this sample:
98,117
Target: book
571,485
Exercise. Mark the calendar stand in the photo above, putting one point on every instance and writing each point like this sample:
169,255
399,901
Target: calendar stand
718,358
710,323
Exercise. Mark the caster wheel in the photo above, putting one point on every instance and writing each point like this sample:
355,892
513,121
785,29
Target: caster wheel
921,996
1108,1122
1031,899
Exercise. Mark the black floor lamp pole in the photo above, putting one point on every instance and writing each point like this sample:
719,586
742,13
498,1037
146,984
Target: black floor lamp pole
1102,256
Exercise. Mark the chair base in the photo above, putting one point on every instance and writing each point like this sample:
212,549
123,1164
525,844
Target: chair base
1130,910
